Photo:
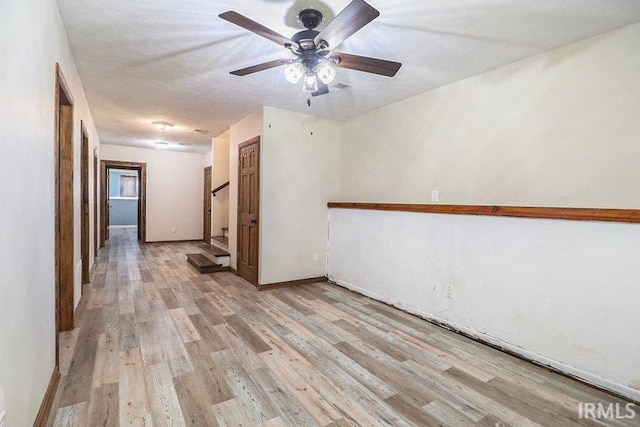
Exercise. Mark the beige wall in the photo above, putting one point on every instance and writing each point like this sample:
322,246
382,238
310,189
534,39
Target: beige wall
220,174
300,174
174,190
244,130
559,129
32,40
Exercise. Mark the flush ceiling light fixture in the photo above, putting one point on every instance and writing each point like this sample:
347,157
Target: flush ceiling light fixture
163,126
161,145
313,58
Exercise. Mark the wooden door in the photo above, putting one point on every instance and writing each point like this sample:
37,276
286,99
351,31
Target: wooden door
206,227
64,207
84,205
248,209
95,205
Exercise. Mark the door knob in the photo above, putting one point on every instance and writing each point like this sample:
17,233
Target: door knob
253,221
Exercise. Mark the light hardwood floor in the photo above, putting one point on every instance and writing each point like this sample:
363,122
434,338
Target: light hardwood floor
159,344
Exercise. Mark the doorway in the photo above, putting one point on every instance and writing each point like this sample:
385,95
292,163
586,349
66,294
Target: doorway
248,209
130,189
84,205
63,223
206,226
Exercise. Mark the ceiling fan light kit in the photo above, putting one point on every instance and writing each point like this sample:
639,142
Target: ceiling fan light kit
294,72
326,73
313,59
310,83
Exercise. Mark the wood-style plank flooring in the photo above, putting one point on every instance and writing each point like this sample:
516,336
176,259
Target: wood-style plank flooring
157,343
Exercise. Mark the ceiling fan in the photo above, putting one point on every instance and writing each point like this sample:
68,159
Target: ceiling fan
312,60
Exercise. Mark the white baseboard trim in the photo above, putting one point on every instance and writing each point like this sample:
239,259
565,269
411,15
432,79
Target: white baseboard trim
581,375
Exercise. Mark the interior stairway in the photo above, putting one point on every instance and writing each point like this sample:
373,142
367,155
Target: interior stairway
212,259
221,240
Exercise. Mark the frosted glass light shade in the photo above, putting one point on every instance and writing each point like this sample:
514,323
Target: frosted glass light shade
294,72
310,83
326,73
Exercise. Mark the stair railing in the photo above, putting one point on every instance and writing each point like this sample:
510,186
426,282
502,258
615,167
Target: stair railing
219,188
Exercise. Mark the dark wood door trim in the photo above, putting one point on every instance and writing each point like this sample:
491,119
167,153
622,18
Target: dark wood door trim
64,269
63,209
142,196
84,205
251,220
206,226
95,204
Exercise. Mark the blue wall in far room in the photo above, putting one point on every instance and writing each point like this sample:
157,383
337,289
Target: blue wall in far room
123,212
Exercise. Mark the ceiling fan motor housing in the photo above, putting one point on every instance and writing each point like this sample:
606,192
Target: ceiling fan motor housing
310,18
305,39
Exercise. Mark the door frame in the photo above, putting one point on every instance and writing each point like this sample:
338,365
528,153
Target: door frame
84,204
64,208
95,204
207,205
142,197
255,140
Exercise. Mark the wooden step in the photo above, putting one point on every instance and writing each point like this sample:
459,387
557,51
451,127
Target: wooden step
204,264
214,250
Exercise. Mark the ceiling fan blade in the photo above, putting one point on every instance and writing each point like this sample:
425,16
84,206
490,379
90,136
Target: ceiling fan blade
323,89
356,15
260,67
366,64
259,29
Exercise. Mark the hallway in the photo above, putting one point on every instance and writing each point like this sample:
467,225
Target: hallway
156,343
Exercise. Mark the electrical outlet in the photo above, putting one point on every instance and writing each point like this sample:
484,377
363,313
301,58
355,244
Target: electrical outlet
315,257
450,291
173,229
435,195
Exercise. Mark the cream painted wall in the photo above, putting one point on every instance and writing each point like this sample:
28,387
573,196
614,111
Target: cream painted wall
32,40
207,159
559,129
244,130
300,174
220,203
174,190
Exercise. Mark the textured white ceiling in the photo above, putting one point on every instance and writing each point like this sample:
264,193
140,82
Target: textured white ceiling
147,60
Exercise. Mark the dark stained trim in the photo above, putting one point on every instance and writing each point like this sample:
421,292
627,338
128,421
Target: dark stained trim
84,204
574,214
47,400
142,196
64,206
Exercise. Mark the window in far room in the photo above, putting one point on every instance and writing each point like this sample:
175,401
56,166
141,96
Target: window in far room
128,186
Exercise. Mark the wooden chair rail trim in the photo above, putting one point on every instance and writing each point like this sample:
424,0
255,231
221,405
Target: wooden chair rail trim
574,214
